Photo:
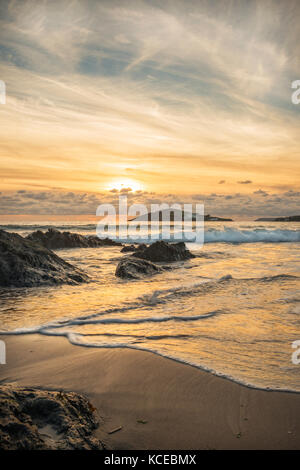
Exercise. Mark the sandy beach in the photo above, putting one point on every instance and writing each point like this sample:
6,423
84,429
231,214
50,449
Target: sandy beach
160,404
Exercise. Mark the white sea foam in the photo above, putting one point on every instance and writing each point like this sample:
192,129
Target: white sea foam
79,340
244,318
109,321
226,234
232,235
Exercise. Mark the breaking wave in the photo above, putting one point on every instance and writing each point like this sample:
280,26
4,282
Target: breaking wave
232,235
211,234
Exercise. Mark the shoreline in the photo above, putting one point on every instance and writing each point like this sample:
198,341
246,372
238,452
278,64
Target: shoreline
160,403
155,353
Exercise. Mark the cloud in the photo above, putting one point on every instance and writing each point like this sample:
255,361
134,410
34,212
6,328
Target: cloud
99,89
245,182
125,190
292,193
261,192
80,203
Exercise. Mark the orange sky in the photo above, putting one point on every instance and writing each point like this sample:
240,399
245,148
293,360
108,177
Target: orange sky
183,99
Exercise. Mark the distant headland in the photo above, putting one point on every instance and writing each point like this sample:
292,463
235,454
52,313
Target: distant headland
174,214
291,218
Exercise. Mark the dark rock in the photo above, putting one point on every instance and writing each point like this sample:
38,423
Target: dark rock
24,263
142,246
291,218
104,241
212,218
161,251
54,240
32,419
131,268
175,215
128,248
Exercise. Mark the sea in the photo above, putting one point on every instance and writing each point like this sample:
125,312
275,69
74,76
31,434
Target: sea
233,310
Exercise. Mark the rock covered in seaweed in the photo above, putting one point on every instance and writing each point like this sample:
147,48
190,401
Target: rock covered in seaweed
24,263
53,239
132,268
32,419
129,248
162,251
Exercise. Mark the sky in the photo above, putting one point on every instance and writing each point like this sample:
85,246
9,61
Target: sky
162,100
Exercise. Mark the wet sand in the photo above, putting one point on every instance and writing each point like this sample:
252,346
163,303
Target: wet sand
160,403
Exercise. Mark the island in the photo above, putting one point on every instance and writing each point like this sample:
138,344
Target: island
291,218
175,215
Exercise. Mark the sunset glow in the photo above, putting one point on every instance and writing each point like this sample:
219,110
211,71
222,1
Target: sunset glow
125,185
94,106
149,228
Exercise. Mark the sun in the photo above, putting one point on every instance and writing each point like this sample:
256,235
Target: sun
123,184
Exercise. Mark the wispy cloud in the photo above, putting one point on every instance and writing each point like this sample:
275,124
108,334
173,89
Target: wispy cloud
175,93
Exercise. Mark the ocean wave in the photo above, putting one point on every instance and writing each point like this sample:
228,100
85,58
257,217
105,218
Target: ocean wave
78,339
278,277
211,235
232,235
47,328
226,235
139,337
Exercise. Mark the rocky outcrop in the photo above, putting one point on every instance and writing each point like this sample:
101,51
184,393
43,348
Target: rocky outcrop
24,263
212,218
164,252
32,419
176,215
129,248
291,218
133,268
54,239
